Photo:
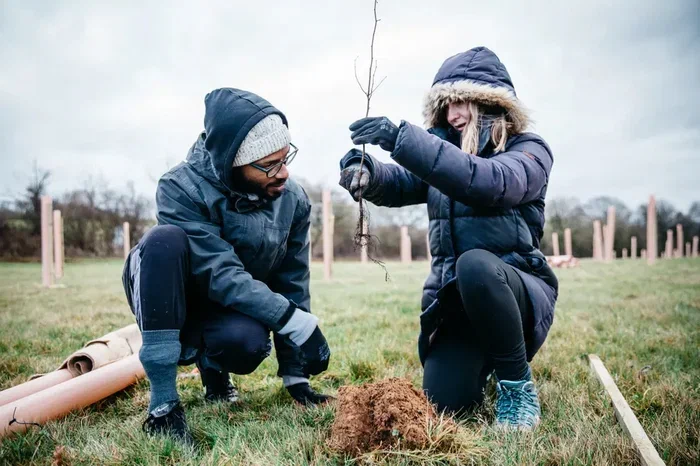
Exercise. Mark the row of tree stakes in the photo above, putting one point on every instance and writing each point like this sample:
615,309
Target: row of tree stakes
53,260
53,246
604,239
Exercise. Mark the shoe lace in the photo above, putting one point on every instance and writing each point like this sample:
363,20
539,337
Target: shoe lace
515,405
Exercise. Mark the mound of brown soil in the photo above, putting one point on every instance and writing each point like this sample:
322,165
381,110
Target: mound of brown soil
383,415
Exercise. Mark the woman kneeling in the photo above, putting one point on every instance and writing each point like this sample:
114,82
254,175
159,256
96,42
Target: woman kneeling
488,302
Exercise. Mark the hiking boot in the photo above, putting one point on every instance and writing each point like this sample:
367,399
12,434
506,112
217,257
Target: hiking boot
169,419
218,386
517,405
307,396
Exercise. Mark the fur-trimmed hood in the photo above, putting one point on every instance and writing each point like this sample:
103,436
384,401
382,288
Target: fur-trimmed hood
477,75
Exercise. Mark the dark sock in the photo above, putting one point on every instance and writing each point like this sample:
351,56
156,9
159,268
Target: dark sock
159,355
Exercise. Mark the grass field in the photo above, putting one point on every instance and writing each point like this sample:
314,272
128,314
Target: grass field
644,322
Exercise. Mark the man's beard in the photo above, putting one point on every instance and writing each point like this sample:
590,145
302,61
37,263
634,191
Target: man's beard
244,185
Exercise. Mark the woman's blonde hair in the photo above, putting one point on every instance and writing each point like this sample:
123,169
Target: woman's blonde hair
500,128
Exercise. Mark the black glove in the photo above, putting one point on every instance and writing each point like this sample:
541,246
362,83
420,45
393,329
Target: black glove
305,395
375,130
315,353
355,180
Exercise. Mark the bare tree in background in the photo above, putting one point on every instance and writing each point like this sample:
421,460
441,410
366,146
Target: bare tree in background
30,204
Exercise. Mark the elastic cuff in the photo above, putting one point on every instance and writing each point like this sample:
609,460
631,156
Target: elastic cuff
289,380
287,314
355,158
300,327
402,127
153,337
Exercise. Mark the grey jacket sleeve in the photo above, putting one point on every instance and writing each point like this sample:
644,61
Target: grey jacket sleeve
390,185
516,176
216,268
291,280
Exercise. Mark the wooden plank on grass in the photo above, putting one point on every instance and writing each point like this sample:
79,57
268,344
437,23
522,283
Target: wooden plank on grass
647,453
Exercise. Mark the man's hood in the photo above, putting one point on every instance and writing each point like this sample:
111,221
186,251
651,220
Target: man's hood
475,75
229,115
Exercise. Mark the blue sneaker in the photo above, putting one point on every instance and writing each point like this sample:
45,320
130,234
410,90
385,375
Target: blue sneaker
517,405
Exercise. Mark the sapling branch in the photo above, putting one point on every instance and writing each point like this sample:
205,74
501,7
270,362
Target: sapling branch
363,237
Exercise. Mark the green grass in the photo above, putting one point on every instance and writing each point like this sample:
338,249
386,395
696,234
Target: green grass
632,315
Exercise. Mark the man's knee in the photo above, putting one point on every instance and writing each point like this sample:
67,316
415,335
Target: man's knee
165,242
239,348
479,271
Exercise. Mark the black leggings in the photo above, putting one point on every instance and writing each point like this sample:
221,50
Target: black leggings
486,333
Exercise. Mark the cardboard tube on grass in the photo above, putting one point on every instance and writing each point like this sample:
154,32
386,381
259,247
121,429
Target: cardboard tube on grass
34,385
79,392
95,354
104,350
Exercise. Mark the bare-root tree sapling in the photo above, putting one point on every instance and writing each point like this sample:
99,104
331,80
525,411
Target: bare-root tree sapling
363,237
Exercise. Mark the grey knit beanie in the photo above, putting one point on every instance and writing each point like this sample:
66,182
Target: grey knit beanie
265,138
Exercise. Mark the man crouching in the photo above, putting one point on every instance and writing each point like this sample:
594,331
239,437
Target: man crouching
227,263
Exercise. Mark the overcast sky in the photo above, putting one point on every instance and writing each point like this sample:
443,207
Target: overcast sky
116,92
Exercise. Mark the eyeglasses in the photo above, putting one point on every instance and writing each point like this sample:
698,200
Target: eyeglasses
273,170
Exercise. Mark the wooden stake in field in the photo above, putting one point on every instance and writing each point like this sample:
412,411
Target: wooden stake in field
687,249
405,246
624,253
644,253
47,270
610,234
568,246
604,250
669,244
555,244
127,239
679,240
647,453
58,243
597,241
327,235
651,231
633,251
332,236
695,246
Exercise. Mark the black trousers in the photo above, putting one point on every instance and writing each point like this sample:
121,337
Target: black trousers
157,285
485,332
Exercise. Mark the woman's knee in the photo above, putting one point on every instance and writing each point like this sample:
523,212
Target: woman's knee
455,372
478,272
454,400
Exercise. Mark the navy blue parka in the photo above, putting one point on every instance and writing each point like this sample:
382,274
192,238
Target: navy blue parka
491,201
